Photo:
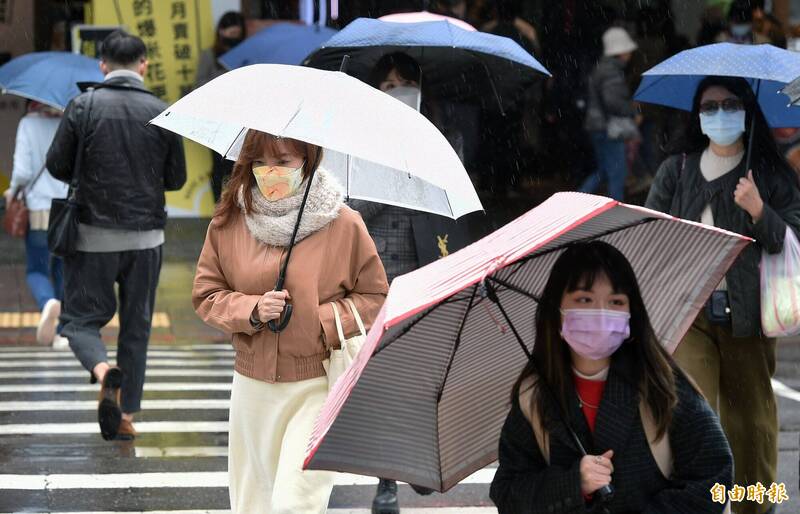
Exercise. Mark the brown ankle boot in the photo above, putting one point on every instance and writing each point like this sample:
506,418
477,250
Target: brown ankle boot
126,431
109,414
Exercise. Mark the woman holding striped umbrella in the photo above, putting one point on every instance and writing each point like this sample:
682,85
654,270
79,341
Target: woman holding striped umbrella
602,405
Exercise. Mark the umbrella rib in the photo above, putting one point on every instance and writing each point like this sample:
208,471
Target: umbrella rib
385,344
457,342
225,155
491,293
512,287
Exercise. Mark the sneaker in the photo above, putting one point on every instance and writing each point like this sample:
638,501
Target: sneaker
60,342
46,330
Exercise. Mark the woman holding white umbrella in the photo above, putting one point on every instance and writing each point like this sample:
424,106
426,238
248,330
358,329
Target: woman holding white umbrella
279,382
376,149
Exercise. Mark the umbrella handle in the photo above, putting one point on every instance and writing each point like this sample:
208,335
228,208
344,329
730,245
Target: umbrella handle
284,320
605,494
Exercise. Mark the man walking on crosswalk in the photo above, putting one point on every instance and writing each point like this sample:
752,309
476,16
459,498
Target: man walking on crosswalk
126,167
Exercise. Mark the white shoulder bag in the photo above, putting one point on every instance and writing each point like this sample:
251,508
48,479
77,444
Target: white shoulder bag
341,358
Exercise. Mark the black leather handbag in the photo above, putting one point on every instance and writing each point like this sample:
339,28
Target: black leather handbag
62,231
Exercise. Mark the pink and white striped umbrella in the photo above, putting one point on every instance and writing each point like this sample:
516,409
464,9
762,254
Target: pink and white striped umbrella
417,17
426,398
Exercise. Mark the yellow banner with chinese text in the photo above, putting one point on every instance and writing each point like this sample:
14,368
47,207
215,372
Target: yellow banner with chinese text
175,32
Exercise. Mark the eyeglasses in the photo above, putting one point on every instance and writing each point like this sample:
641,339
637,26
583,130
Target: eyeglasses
727,105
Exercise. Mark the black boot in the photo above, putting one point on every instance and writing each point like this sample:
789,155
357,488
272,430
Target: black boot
385,501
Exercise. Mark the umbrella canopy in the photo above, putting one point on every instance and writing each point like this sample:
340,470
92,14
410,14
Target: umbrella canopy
48,77
440,349
455,62
673,83
282,43
380,149
417,17
792,90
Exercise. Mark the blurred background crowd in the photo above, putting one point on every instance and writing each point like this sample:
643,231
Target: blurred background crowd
516,157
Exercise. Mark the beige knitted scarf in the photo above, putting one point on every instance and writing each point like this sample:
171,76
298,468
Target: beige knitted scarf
272,222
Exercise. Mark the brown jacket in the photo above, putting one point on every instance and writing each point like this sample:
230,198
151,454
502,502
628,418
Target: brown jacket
235,269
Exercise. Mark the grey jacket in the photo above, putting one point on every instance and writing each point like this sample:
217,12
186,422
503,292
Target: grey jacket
391,229
681,190
608,94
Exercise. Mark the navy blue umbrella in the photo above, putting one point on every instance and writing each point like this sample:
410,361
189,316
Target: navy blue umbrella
282,43
48,77
455,62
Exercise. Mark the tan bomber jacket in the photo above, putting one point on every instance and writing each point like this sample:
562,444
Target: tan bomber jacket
235,269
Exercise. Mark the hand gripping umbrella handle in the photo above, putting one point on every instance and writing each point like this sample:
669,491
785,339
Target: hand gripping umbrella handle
605,494
284,320
287,309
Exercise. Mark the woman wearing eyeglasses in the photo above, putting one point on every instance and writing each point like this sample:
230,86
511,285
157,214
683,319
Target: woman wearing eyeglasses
725,351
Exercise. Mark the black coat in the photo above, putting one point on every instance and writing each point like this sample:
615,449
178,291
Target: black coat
526,484
127,164
681,190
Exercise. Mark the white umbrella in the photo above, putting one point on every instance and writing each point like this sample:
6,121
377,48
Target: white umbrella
380,149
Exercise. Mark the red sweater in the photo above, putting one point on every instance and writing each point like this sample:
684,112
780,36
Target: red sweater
590,392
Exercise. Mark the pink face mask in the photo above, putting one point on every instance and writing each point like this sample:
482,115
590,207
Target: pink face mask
595,333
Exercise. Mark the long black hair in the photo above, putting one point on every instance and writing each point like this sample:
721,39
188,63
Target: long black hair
577,268
766,156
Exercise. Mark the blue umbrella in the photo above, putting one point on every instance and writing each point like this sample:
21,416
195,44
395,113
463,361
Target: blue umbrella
454,61
48,77
768,69
282,43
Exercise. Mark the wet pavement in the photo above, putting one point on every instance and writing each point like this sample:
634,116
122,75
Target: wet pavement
52,458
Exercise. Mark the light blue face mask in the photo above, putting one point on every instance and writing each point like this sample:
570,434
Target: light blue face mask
723,128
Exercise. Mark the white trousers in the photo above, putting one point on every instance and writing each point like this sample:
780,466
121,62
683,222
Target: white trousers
270,425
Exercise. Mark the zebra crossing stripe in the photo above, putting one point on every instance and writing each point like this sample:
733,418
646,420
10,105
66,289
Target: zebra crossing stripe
148,386
406,510
153,353
197,479
82,373
181,451
72,363
785,391
143,427
192,347
91,405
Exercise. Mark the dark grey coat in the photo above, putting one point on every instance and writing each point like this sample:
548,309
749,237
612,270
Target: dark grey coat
683,192
392,230
526,484
608,94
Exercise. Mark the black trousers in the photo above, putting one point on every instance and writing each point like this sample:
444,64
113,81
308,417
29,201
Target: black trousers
90,302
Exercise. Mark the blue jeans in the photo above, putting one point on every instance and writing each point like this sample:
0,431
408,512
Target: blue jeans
611,166
44,270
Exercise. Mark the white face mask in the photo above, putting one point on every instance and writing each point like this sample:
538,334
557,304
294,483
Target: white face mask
723,128
409,95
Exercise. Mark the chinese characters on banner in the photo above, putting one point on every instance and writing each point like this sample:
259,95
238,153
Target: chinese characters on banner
175,32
